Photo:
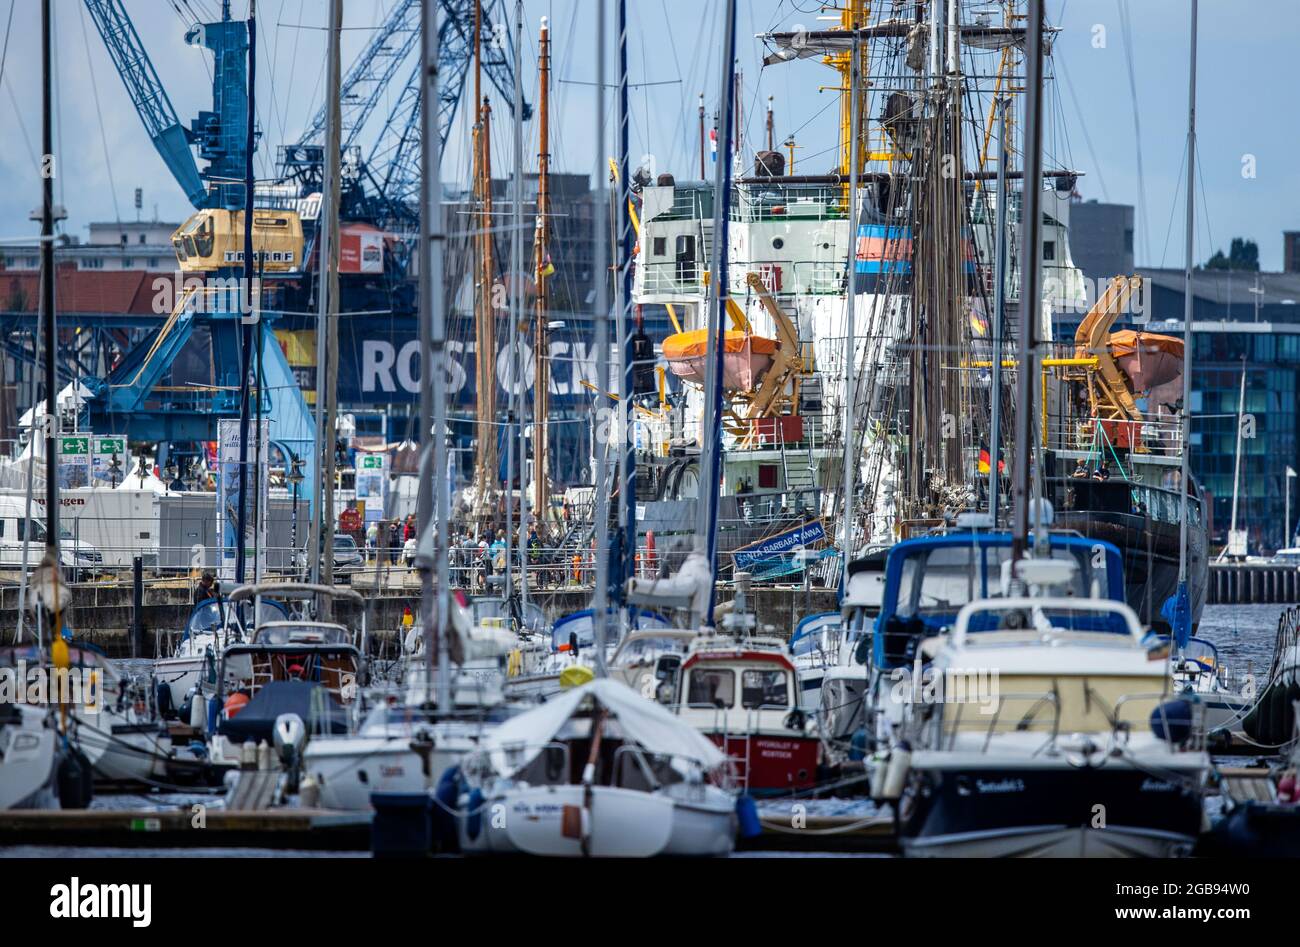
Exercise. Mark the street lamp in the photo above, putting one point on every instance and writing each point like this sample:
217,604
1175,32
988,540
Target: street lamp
295,477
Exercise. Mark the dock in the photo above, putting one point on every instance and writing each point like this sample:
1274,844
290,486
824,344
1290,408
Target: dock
315,829
1253,583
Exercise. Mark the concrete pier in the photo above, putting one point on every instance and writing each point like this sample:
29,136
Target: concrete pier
1253,583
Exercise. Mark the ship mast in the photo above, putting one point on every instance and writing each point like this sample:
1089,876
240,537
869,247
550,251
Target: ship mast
485,466
1182,626
541,374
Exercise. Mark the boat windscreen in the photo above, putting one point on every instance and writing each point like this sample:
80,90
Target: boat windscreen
939,580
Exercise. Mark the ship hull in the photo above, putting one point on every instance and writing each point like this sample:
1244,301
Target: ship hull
1150,551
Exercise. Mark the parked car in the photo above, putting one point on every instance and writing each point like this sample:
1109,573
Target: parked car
347,555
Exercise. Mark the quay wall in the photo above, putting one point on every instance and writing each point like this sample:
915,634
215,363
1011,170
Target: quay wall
104,614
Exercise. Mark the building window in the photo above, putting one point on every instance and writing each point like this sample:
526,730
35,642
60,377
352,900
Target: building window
92,263
1128,241
142,235
153,263
127,262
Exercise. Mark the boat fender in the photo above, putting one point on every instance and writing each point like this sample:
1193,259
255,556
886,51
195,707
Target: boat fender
858,745
198,711
214,713
748,823
878,766
76,780
163,698
309,793
445,796
449,787
1172,721
900,763
474,816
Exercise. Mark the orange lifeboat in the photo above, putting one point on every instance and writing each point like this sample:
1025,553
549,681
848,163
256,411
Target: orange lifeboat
745,357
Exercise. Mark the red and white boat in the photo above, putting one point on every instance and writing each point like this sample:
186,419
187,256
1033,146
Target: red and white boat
742,693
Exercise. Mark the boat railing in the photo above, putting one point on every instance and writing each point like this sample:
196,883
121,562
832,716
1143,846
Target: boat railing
1196,740
789,203
1112,441
685,277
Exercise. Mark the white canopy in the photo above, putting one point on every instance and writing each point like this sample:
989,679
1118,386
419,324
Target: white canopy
642,721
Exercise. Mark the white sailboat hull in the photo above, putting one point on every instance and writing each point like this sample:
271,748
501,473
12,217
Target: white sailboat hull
28,762
618,823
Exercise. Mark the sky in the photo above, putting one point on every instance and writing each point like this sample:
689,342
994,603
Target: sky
1113,59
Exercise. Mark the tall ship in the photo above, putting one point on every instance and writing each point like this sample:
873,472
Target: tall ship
881,348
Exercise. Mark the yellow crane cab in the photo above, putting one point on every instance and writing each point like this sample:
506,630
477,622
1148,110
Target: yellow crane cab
213,239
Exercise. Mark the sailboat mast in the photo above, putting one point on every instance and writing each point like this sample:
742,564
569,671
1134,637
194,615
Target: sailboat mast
1030,277
246,324
517,316
48,327
485,317
433,443
997,323
715,317
541,306
600,269
850,315
1189,249
625,326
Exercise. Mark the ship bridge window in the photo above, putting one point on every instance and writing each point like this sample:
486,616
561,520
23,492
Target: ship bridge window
764,689
203,238
660,246
1049,249
711,688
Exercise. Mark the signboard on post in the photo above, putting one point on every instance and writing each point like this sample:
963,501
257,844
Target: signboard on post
108,460
74,461
780,554
372,485
255,485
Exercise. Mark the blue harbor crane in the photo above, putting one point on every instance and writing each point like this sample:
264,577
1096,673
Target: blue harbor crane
178,377
182,375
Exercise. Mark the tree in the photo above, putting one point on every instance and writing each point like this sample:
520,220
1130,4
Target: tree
1243,254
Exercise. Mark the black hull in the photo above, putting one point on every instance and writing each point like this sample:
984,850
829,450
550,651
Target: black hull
1150,551
1034,811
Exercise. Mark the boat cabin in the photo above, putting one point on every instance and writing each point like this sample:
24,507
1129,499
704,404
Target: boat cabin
742,693
930,578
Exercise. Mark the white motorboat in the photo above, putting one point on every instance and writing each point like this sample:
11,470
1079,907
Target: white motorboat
192,665
1042,726
597,771
300,666
29,757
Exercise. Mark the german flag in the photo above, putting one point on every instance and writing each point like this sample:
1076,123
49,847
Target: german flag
984,462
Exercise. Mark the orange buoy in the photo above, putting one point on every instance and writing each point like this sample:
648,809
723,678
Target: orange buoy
234,704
